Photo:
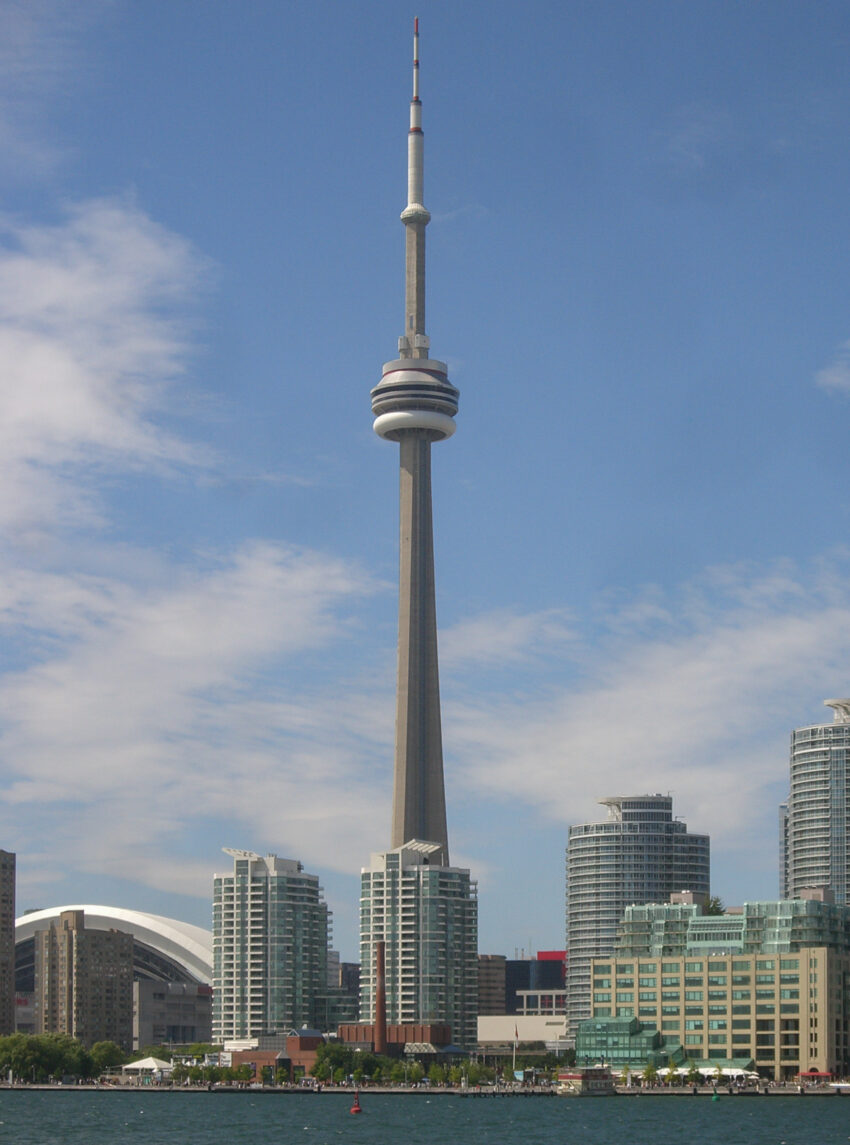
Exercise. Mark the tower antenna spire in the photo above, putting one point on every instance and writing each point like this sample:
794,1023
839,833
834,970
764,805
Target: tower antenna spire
416,57
414,341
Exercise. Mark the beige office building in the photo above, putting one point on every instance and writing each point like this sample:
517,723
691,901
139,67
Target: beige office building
84,982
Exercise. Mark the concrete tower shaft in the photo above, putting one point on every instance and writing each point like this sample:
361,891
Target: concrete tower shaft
415,404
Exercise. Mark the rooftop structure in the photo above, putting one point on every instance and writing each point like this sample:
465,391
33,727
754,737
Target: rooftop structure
673,929
164,949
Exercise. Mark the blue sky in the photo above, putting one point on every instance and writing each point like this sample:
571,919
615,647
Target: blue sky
638,275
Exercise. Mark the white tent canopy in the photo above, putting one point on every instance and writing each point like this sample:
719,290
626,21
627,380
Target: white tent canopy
148,1065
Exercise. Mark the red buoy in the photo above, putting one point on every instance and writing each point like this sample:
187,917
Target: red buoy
356,1106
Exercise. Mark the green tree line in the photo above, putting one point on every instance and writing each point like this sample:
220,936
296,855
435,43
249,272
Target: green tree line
49,1057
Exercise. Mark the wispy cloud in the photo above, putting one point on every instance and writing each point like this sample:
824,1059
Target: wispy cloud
39,51
698,134
697,704
93,328
153,708
504,637
836,376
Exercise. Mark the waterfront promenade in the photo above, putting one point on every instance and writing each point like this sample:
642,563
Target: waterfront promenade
425,1091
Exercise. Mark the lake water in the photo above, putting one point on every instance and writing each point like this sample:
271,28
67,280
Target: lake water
139,1118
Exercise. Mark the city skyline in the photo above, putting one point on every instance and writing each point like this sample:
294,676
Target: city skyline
642,578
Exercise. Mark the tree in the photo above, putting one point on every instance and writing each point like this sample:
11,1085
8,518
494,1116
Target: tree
437,1075
650,1073
106,1055
714,906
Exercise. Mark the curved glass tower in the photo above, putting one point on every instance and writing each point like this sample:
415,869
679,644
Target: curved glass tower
640,854
814,842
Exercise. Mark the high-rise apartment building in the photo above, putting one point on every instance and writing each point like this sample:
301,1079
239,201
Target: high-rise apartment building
813,826
429,920
7,942
639,854
270,947
427,916
84,982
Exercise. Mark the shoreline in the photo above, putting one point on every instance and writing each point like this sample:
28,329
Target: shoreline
484,1093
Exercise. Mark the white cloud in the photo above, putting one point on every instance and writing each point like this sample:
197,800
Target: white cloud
92,331
698,707
502,637
152,710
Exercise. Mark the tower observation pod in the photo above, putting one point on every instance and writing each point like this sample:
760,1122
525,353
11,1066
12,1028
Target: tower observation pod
414,404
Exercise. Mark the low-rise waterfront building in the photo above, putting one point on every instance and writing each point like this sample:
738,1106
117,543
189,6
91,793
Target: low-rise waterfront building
770,982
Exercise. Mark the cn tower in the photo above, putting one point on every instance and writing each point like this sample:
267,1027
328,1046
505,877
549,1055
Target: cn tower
415,404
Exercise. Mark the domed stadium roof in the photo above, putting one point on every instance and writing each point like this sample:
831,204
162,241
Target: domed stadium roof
165,949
